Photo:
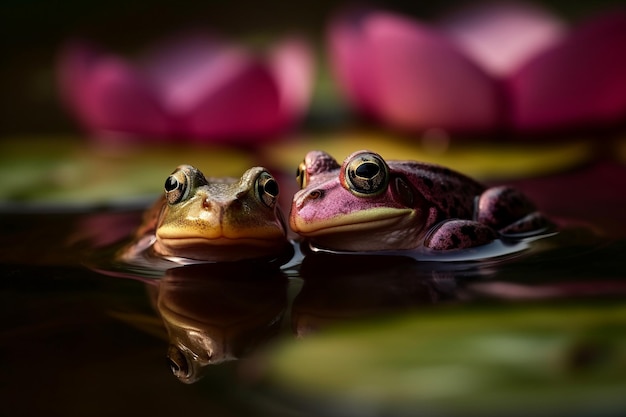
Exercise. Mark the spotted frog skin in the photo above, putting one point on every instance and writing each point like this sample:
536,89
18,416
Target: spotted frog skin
368,204
215,219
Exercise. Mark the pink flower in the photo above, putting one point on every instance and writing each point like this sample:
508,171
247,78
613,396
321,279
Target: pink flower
194,87
580,81
492,67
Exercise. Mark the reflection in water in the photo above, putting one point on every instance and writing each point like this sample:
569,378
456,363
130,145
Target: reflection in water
218,312
510,246
575,264
345,287
212,312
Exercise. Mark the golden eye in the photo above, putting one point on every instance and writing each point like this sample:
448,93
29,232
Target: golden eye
267,189
179,184
301,175
178,363
177,187
366,174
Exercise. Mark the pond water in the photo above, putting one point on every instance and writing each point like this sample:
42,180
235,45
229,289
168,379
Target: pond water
84,336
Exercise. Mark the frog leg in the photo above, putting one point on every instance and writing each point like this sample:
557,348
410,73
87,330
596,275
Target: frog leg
459,234
532,222
504,207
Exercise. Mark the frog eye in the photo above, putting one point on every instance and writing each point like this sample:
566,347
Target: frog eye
177,187
366,174
178,362
301,175
267,189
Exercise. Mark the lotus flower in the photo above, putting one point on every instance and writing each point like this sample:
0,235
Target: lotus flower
193,87
501,66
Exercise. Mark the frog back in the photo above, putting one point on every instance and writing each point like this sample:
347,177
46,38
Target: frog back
451,193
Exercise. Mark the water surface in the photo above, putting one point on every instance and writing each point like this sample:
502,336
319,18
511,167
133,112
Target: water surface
85,336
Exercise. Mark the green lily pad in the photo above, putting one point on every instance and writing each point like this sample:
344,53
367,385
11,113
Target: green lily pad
482,160
68,171
546,360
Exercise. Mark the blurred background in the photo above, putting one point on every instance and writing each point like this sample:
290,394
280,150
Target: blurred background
78,340
34,30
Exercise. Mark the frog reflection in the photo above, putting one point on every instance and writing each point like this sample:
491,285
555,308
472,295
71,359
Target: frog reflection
218,312
366,286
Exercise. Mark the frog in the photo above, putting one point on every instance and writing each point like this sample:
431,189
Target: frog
370,204
213,219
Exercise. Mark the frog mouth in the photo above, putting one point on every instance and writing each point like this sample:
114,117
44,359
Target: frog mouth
221,242
218,249
221,236
217,241
360,221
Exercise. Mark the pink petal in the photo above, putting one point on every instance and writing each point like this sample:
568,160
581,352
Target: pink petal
108,96
75,64
348,58
580,81
179,56
291,63
244,105
503,36
185,69
192,86
421,80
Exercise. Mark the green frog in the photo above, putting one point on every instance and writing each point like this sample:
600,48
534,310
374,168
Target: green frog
214,219
369,204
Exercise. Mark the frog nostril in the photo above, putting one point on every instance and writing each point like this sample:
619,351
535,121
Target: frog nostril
206,204
305,196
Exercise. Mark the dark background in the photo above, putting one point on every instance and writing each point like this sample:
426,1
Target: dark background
33,30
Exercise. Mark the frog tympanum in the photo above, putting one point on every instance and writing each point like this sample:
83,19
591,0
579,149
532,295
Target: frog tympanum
215,219
369,204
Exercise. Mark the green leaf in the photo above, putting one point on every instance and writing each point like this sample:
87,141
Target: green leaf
465,361
69,171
